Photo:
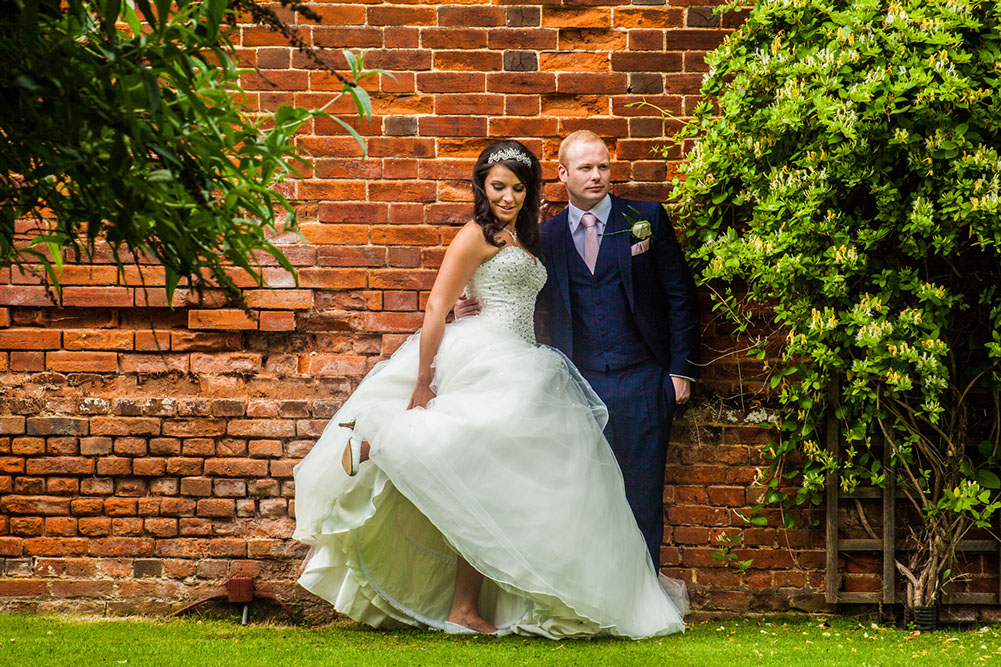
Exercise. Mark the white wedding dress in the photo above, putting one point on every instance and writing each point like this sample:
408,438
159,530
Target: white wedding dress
507,466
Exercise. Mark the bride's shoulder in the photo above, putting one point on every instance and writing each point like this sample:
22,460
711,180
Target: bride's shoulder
470,234
469,240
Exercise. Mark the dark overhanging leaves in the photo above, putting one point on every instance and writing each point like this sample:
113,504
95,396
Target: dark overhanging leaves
138,138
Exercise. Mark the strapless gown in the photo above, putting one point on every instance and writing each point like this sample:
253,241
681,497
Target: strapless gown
507,466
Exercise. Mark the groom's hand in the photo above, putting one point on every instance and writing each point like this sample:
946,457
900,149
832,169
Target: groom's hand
682,389
466,306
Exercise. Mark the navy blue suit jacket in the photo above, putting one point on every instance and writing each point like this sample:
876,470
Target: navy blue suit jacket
658,284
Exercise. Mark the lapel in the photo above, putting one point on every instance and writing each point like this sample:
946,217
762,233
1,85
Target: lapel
620,244
561,269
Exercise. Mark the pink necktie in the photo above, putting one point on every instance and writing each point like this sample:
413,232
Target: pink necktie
590,223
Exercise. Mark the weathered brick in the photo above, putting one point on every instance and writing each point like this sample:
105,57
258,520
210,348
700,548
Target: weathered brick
239,363
265,448
42,505
236,467
184,466
98,340
184,428
124,426
98,297
56,426
277,321
273,507
27,526
193,526
216,507
27,446
264,428
149,467
30,339
121,506
20,588
177,507
229,488
63,465
161,527
127,526
228,548
153,363
56,546
64,446
205,341
576,17
130,446
27,361
113,547
23,295
320,365
399,16
94,526
165,446
221,319
114,466
279,299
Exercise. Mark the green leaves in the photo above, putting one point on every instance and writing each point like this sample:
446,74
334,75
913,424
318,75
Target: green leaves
847,194
111,10
987,479
141,140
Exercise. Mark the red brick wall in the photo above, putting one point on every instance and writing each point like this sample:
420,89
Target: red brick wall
146,454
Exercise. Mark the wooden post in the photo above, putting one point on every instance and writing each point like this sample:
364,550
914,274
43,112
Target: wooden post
833,488
889,524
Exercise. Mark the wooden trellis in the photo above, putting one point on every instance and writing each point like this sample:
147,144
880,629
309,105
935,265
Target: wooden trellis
887,544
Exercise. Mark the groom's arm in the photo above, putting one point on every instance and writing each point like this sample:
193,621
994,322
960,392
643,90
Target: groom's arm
678,286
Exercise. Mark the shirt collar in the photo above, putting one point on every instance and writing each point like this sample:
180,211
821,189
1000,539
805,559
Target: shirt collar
601,210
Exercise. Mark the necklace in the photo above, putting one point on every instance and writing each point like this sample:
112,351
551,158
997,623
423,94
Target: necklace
510,230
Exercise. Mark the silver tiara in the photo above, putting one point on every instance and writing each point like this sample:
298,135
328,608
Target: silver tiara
510,153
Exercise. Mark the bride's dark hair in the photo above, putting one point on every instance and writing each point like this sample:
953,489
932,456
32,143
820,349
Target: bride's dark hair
527,224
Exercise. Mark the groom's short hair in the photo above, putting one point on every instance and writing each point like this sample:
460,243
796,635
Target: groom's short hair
578,137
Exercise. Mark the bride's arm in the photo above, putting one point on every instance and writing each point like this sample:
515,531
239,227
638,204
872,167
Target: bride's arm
466,252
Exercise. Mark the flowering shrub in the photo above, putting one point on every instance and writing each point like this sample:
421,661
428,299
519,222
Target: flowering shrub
849,180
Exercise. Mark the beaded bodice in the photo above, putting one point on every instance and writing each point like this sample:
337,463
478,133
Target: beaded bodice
506,286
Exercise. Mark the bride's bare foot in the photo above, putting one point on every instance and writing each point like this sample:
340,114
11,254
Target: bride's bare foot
346,457
473,622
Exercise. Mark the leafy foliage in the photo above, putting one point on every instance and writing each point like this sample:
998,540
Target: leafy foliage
126,123
848,186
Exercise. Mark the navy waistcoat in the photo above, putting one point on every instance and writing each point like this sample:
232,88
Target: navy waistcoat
605,334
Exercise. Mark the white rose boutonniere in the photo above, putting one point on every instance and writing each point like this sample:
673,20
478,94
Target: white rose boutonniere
639,229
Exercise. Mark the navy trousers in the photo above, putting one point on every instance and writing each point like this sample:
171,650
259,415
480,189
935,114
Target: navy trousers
640,400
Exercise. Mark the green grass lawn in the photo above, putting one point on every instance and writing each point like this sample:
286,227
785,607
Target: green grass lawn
42,640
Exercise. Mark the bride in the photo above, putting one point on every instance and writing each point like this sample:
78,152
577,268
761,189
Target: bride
466,485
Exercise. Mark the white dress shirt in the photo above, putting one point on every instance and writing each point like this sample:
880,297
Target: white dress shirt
602,210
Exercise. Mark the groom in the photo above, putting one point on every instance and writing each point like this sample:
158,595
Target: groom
620,302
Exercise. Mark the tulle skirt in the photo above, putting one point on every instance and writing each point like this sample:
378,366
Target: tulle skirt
508,467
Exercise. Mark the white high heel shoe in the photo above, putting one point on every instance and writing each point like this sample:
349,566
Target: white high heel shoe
352,452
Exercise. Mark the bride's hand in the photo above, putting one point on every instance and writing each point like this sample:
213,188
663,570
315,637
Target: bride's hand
421,396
